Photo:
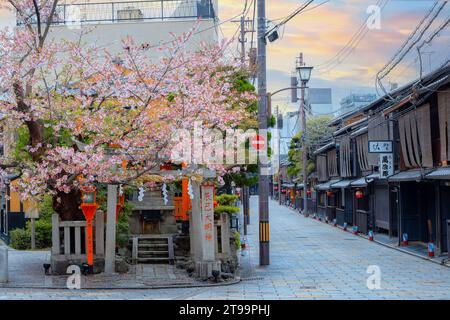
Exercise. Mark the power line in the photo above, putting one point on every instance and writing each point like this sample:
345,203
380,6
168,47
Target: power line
306,10
350,46
401,53
428,41
291,16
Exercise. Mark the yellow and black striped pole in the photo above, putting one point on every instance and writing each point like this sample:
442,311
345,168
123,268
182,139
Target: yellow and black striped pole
264,232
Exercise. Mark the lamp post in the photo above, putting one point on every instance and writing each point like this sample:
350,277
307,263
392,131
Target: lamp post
89,207
304,73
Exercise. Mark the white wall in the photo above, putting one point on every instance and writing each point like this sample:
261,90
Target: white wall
110,35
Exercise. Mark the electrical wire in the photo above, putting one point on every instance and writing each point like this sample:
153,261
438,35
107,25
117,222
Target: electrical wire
428,41
291,16
401,53
306,10
350,46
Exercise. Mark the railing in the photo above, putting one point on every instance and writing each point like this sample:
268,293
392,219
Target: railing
89,13
69,238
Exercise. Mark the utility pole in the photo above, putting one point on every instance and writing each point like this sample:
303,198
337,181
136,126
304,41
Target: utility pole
305,149
279,128
278,146
245,207
246,26
242,40
264,258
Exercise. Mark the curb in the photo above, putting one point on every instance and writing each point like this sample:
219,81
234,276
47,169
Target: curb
223,284
379,242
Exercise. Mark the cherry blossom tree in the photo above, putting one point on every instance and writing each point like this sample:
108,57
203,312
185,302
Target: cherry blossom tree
110,118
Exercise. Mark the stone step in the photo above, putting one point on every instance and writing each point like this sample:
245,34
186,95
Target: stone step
153,245
153,252
153,260
146,241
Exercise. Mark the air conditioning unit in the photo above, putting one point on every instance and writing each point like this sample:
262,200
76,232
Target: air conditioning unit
130,13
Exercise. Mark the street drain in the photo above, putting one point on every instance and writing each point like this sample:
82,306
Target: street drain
252,279
308,288
350,239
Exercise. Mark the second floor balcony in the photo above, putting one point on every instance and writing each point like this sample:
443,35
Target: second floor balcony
112,12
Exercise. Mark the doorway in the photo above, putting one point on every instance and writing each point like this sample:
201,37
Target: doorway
394,199
445,215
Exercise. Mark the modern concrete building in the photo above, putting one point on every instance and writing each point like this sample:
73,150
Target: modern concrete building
354,102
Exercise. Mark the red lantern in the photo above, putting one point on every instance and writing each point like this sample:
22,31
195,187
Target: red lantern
359,194
89,207
329,193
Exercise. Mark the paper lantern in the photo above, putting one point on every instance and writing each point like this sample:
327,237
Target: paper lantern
359,194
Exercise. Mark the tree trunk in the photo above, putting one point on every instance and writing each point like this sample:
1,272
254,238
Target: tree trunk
68,207
36,131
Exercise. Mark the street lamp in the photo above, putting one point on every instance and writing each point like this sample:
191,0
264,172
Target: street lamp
304,73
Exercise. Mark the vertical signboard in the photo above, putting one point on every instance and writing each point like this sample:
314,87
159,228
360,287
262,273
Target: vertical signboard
208,222
386,165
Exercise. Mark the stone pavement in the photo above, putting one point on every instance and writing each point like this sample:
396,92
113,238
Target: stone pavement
309,260
26,271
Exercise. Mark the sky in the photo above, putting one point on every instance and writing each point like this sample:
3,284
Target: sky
321,32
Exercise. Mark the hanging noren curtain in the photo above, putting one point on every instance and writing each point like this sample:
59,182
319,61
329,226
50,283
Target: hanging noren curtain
344,157
322,172
332,163
444,124
415,138
362,143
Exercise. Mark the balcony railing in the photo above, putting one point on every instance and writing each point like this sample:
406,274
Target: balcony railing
93,13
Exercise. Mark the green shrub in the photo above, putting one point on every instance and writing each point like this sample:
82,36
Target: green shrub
123,226
226,209
226,199
46,208
225,204
43,233
237,240
20,239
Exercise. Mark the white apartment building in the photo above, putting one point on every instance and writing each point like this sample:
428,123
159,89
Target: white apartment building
150,22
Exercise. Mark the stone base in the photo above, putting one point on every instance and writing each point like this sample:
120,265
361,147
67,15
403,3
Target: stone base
59,264
204,269
3,264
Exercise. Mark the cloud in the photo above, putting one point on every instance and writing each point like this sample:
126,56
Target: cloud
324,31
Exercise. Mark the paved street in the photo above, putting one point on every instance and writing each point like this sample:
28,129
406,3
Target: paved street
309,260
